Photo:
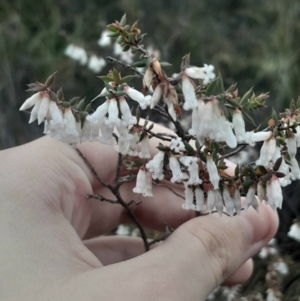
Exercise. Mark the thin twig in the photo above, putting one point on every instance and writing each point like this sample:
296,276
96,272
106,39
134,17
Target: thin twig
169,189
118,171
237,150
88,163
127,66
101,198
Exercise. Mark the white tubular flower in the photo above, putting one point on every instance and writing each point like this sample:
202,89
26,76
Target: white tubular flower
147,102
145,148
140,181
274,193
99,114
148,185
193,169
147,80
107,134
261,192
239,125
136,96
155,166
252,137
96,64
124,132
104,40
267,152
229,137
199,194
294,232
195,122
133,144
188,197
281,267
113,114
251,199
295,171
122,147
31,101
195,72
237,201
213,172
209,121
188,90
284,168
71,134
291,144
171,110
54,112
209,73
211,199
125,110
228,201
177,175
219,202
177,145
156,96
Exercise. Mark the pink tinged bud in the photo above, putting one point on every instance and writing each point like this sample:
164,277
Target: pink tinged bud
145,148
195,72
100,113
228,201
189,197
294,232
140,181
239,125
291,144
54,112
251,199
190,101
31,101
199,194
125,110
156,96
34,112
274,193
295,171
177,175
213,172
113,114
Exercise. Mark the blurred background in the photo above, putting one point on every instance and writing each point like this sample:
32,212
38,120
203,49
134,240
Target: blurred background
255,43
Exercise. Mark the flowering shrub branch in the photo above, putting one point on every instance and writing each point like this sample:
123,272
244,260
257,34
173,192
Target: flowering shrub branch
193,159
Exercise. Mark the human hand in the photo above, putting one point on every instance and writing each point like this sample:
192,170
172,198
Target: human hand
45,219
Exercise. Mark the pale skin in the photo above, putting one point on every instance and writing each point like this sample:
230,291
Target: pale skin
48,229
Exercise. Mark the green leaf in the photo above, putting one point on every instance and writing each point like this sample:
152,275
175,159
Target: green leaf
81,104
248,117
165,64
220,84
108,86
140,64
280,174
247,183
161,148
66,104
120,93
105,78
246,96
237,171
113,34
151,127
188,148
274,115
138,114
138,162
116,76
277,164
126,79
197,144
123,20
60,94
234,103
50,80
166,159
202,157
74,100
211,87
126,48
88,107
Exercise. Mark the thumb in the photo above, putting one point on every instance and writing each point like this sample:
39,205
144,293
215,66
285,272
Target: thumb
205,251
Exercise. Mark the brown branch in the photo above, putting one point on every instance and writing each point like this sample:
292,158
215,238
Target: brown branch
88,163
101,198
237,150
118,171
